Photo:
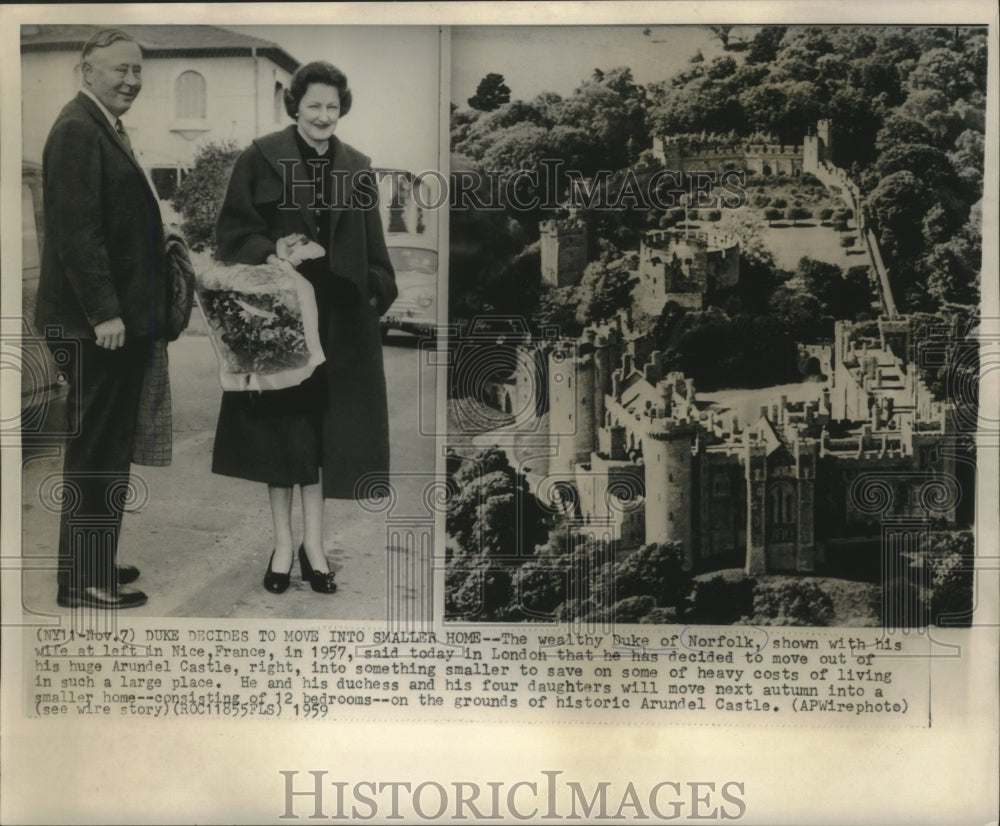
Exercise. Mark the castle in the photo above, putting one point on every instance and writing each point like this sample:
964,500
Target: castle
777,487
673,265
685,153
682,267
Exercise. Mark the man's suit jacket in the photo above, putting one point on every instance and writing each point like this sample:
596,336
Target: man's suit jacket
104,246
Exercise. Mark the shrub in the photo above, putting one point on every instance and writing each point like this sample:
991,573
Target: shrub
719,601
772,214
791,602
633,609
200,194
654,570
797,213
779,203
950,562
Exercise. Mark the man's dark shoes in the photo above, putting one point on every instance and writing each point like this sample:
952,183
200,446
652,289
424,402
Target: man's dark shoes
94,597
127,574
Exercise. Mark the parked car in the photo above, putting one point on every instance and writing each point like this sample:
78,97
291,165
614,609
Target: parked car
415,261
412,241
43,387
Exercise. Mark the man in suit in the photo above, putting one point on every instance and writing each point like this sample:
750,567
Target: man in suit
102,286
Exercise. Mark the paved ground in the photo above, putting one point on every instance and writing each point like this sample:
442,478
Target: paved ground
202,541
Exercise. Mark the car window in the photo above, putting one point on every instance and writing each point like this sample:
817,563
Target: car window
413,259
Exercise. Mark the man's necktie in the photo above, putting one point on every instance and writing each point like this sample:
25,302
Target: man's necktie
120,128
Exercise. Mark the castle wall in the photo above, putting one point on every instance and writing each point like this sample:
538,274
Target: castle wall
756,158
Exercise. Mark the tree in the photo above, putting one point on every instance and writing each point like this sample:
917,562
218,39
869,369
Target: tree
764,46
930,164
747,228
722,32
559,307
800,314
655,570
898,205
606,287
200,194
491,93
795,213
492,514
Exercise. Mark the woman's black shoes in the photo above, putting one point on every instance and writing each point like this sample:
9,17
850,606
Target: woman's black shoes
274,582
321,581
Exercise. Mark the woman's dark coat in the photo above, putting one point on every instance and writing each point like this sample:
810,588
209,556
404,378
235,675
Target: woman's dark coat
263,203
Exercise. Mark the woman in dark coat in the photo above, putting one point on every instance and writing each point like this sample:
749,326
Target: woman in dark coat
332,431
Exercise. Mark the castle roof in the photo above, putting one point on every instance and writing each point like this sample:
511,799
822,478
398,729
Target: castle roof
765,432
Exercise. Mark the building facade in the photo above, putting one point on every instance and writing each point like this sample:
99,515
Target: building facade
689,153
788,488
200,84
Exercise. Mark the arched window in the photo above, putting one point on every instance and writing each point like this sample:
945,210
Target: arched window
191,97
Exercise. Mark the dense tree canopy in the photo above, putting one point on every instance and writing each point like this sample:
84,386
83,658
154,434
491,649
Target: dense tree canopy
907,109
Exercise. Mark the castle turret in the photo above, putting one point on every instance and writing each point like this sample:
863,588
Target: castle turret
756,478
667,459
563,251
572,427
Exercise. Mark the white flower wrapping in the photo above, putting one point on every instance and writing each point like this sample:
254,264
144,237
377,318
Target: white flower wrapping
263,323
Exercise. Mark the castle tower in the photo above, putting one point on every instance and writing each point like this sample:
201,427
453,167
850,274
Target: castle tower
756,476
572,429
667,457
805,467
825,134
531,390
604,358
563,251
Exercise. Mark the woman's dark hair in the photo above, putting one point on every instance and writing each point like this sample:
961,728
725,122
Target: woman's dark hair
317,72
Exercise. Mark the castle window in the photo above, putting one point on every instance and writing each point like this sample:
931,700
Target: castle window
670,477
190,96
670,516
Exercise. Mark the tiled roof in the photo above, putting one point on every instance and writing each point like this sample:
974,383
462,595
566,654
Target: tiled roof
159,41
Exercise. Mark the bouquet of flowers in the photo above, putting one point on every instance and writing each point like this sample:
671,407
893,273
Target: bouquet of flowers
263,320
